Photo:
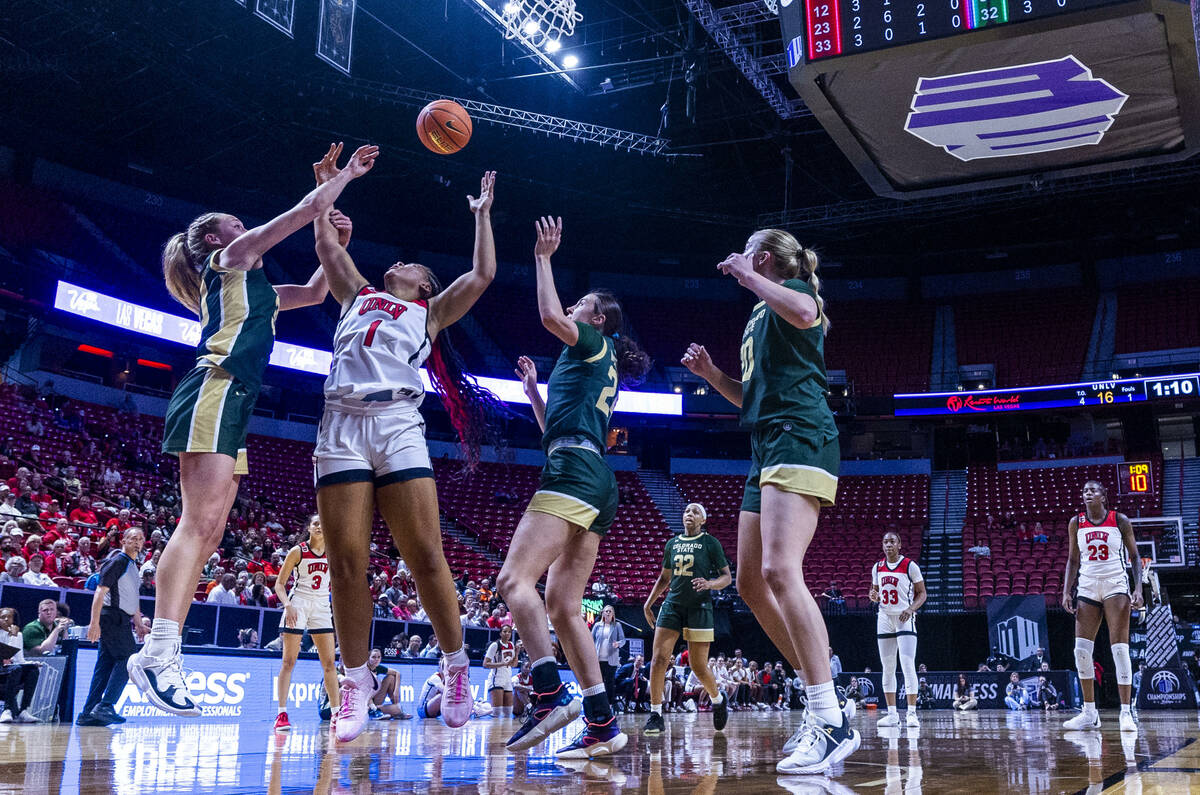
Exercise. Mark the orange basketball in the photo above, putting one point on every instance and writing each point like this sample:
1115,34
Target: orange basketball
444,126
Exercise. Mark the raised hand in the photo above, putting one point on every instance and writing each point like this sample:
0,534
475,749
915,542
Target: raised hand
487,191
527,372
341,222
326,168
738,266
362,160
549,235
696,359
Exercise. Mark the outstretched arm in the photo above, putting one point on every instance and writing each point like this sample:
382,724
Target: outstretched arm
697,360
247,249
549,235
344,279
527,372
457,299
294,296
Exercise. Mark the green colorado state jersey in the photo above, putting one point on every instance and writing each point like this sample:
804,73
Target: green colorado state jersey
582,389
237,321
689,557
783,371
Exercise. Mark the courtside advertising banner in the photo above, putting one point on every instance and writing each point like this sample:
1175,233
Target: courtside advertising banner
241,689
1017,626
989,686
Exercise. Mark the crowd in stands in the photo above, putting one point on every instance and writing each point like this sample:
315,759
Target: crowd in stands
63,512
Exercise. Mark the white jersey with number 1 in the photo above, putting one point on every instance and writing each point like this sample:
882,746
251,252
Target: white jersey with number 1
896,584
379,345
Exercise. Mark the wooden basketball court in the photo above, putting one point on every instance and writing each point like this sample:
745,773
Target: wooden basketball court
951,753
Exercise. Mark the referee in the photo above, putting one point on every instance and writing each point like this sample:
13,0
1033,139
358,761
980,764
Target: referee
113,607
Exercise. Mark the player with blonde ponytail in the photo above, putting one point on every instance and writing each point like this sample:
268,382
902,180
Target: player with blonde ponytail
793,473
215,269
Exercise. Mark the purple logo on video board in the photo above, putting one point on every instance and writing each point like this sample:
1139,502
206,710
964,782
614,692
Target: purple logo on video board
1014,110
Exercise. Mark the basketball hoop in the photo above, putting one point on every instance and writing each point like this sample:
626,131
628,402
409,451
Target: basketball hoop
540,22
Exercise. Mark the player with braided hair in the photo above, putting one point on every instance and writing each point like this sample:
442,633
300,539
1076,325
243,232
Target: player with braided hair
371,447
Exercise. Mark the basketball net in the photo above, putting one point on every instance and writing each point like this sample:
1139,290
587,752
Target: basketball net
772,6
538,21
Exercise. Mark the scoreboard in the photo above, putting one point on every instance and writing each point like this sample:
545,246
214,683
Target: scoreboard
1094,393
932,97
845,27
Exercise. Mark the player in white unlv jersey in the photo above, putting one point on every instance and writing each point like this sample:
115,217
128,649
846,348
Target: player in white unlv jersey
899,589
306,608
371,449
500,658
1102,545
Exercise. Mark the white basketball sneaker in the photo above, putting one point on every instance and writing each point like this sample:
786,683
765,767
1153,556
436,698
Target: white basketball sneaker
1128,724
1088,719
890,719
911,720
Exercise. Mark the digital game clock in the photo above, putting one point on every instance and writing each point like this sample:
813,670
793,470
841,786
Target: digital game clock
1092,393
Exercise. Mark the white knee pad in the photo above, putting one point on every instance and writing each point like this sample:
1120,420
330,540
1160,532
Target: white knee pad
887,656
1083,658
1121,662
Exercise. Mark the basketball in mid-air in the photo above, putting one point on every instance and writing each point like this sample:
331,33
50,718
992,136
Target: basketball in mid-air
444,126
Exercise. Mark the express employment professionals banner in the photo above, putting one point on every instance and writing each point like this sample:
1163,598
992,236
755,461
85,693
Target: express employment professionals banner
239,689
989,686
1017,626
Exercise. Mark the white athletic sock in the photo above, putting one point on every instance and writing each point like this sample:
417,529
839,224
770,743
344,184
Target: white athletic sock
1089,707
1126,709
594,690
456,657
361,674
718,698
822,702
892,709
282,709
656,709
164,635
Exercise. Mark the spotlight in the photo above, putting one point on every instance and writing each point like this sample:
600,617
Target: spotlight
512,7
553,45
570,62
531,27
677,389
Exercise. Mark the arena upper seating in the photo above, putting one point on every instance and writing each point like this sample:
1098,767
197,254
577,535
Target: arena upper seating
1156,317
849,535
885,347
1031,338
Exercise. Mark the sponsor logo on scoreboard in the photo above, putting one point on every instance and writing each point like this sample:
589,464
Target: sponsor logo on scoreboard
955,403
1014,110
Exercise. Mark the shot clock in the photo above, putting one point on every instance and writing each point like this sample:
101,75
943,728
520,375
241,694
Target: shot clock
1135,477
